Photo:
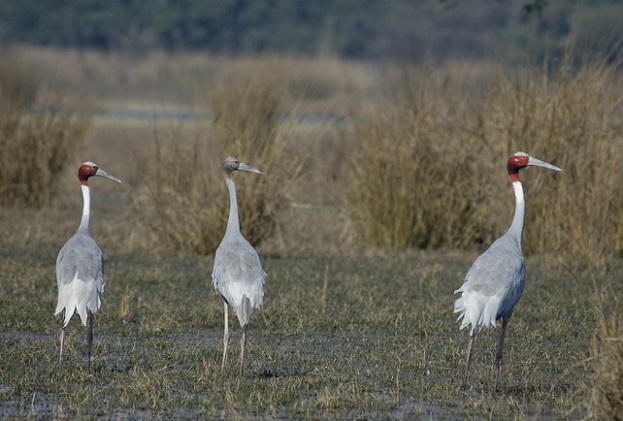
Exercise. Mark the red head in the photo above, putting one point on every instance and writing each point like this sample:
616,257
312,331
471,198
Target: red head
86,170
522,160
89,169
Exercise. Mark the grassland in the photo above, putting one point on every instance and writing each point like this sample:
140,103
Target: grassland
340,337
350,330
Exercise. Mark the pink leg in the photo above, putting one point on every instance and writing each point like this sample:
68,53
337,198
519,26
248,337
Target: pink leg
243,341
470,351
60,366
225,339
89,341
498,354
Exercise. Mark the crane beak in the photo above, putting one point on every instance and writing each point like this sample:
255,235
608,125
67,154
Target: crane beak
245,167
101,173
538,163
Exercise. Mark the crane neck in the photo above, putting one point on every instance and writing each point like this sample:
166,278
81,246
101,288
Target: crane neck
516,228
86,208
233,223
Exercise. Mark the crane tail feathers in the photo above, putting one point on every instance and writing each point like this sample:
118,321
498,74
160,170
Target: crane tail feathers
78,297
244,311
476,311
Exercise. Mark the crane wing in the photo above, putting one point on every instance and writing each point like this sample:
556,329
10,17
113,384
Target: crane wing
493,286
80,277
80,258
238,273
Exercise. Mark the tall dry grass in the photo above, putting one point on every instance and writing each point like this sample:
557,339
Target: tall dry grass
39,131
574,119
430,167
184,200
605,386
411,183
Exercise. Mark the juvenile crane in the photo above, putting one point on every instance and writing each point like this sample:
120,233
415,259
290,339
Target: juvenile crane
80,266
237,275
495,282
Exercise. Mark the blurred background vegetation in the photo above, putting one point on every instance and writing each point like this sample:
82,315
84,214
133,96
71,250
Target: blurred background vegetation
376,115
398,29
380,125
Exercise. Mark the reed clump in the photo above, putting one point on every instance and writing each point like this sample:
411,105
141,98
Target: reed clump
431,168
39,131
572,118
606,382
411,183
184,201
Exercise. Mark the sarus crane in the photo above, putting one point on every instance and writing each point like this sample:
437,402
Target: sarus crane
80,267
237,275
495,282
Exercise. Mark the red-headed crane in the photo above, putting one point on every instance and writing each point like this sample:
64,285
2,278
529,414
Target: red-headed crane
495,282
80,266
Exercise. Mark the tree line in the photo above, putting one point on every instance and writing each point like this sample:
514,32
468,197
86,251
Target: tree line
413,29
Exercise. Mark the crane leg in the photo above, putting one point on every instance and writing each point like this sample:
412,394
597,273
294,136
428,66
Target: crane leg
89,341
498,354
470,351
60,365
243,341
225,339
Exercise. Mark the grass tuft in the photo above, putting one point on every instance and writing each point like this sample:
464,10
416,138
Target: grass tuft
606,387
411,184
39,132
430,166
184,201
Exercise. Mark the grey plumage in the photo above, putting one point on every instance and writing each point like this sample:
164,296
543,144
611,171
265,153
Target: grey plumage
238,275
80,266
495,282
80,277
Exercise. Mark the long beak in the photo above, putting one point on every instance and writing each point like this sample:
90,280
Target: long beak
101,173
538,163
245,167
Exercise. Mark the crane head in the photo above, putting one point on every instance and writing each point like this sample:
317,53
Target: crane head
89,169
521,160
232,164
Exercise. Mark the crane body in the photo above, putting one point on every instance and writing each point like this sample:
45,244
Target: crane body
238,275
494,284
80,267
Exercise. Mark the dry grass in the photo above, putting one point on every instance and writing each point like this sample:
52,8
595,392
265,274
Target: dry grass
430,167
343,334
605,387
572,119
184,200
39,132
410,168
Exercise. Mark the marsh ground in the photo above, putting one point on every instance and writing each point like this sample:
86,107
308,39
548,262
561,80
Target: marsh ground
348,331
364,337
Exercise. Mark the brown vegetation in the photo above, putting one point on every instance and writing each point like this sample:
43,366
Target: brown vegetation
183,199
423,166
39,132
605,385
430,168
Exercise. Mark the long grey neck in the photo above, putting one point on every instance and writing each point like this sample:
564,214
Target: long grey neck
86,208
516,228
233,223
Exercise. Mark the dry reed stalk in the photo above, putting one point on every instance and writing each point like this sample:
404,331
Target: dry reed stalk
605,388
189,214
430,169
39,132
